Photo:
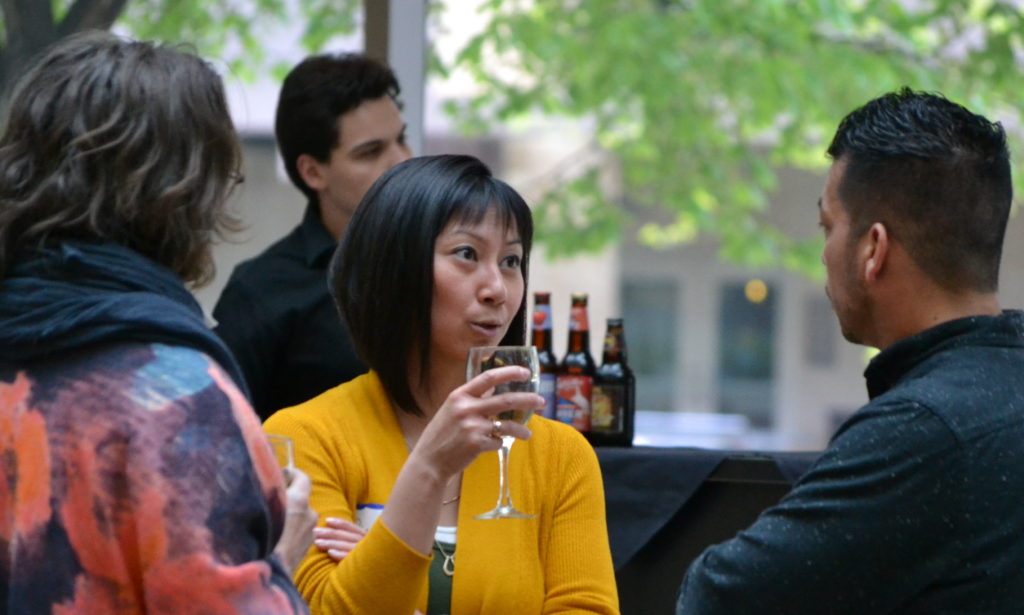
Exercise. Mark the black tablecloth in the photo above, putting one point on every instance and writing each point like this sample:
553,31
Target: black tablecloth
645,487
665,505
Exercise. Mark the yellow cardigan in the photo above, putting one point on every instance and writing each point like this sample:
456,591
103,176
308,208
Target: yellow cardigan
349,442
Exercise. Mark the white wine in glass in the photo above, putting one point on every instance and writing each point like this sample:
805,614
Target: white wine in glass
480,360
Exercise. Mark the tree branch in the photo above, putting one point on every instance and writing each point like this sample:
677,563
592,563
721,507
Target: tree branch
879,46
29,27
29,24
90,15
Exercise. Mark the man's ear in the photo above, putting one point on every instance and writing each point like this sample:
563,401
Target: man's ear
311,171
875,251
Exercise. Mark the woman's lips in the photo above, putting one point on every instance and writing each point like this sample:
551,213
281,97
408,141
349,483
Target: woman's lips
487,329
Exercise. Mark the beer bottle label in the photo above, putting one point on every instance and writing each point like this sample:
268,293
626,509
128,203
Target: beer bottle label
573,404
542,317
578,319
547,391
608,401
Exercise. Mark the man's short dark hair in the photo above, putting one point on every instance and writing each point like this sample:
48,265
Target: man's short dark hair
938,177
115,140
382,274
314,95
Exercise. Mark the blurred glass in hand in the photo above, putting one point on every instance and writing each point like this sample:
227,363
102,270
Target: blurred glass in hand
284,452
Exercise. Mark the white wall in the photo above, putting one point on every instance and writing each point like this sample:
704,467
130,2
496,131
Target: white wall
269,206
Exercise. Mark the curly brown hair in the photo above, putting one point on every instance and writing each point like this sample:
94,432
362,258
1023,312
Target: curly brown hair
131,142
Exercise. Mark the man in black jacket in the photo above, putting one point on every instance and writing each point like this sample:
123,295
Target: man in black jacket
916,505
338,128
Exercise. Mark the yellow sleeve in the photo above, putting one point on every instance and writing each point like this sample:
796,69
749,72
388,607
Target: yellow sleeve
579,573
382,574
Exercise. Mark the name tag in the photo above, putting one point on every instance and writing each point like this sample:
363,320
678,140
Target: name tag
366,514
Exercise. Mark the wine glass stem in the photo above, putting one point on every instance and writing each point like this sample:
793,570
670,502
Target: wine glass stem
504,492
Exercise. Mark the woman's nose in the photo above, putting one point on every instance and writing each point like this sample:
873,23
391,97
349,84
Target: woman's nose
492,285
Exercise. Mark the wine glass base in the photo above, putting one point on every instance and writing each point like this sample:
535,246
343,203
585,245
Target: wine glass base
504,512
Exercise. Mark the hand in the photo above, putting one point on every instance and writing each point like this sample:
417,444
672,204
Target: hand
299,522
463,426
338,537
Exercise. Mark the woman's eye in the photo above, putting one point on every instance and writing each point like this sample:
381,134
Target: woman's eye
513,261
465,252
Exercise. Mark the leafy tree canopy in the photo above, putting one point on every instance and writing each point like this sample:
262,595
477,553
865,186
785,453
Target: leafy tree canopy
238,30
700,102
233,30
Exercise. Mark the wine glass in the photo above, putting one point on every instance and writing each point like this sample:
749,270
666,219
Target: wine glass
284,452
489,357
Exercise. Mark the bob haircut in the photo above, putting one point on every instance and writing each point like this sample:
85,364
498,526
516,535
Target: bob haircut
114,140
382,274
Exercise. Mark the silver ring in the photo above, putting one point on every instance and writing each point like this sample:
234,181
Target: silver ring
496,429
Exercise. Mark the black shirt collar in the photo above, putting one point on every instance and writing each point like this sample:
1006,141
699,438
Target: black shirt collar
893,363
317,243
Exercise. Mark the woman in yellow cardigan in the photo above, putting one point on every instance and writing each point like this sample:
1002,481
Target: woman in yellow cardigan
433,263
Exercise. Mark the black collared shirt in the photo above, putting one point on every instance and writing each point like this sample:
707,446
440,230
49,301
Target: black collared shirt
281,323
916,505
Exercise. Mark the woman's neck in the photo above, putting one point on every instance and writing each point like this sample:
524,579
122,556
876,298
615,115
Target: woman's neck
429,394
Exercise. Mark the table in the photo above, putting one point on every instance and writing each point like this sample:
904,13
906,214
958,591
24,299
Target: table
666,505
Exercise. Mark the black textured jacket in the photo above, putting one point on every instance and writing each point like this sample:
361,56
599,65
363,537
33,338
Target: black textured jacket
917,504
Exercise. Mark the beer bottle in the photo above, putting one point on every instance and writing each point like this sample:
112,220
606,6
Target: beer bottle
613,404
576,372
545,355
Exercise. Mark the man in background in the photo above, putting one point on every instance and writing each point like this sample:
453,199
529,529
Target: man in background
915,506
338,128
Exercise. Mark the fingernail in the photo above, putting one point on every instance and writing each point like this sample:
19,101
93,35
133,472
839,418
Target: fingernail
319,542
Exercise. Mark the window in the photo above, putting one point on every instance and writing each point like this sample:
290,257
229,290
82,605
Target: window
650,309
746,366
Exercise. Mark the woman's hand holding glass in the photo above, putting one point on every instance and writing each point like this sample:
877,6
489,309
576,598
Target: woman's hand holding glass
480,360
300,519
463,427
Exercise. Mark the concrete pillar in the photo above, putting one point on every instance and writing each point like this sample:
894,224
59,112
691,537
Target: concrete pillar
395,33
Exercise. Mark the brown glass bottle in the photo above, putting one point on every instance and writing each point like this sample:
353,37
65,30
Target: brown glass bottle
613,406
545,355
576,372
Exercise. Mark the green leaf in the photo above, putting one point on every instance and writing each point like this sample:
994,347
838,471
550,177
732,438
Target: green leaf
701,104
